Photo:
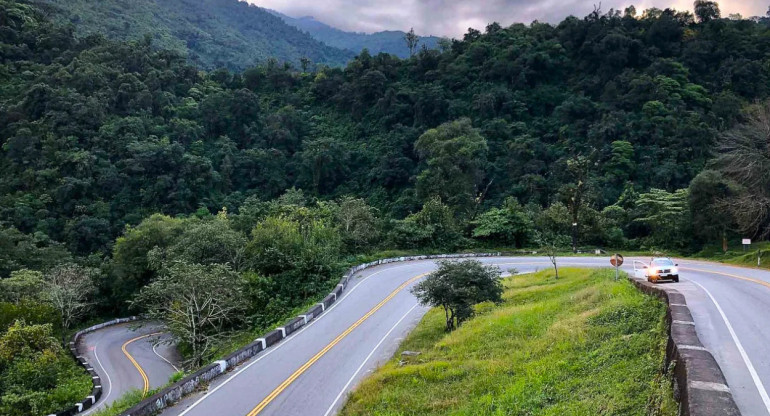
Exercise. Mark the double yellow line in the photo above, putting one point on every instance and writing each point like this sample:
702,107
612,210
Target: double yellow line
133,361
261,406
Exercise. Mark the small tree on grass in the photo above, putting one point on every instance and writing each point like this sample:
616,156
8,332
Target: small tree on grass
198,303
550,244
457,286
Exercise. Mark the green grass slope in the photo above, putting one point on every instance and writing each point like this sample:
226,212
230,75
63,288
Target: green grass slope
580,345
213,33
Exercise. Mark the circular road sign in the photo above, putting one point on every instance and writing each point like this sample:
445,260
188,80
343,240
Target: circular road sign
616,260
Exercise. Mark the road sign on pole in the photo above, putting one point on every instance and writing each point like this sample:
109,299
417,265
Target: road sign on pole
617,261
746,243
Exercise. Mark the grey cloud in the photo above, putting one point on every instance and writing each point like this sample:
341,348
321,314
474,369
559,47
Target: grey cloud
453,17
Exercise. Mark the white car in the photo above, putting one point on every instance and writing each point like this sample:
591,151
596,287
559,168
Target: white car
661,268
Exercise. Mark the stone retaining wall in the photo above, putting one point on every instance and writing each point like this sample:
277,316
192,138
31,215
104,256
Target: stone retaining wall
699,385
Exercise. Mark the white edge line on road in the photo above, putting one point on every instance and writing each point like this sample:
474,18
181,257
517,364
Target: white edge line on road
109,382
336,399
163,358
746,360
272,350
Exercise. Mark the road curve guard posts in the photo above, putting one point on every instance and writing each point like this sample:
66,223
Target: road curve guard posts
96,390
173,393
699,385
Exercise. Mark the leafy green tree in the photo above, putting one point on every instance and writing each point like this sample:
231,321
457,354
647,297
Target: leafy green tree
20,251
706,11
507,225
709,195
36,375
358,223
302,257
457,286
200,304
433,227
209,242
454,155
667,216
130,269
23,285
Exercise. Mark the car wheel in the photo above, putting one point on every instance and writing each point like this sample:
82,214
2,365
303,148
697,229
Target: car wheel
676,279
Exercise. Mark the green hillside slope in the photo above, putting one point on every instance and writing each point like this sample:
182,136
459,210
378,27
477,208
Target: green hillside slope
213,33
580,345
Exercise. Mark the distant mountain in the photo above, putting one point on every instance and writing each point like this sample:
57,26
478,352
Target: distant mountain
391,41
213,33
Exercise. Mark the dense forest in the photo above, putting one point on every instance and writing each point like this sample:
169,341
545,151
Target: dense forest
212,33
389,41
127,171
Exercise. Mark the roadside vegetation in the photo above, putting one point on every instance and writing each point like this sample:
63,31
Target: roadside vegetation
580,345
128,175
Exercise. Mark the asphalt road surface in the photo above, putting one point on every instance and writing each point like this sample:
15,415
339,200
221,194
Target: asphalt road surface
128,357
311,372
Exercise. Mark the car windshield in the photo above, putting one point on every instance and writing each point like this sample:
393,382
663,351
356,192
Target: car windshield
665,262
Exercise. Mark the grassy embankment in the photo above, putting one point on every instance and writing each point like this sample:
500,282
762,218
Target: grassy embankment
737,256
580,345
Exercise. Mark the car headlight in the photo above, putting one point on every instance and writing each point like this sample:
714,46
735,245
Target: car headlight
674,270
654,272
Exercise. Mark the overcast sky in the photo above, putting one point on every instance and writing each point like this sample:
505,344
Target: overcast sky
453,17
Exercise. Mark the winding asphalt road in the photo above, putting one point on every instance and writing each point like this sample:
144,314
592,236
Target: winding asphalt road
128,358
311,372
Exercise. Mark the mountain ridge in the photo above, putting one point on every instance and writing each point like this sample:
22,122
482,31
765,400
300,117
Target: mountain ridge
212,33
387,41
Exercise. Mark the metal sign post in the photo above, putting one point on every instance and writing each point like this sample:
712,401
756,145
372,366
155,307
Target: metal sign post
617,261
746,243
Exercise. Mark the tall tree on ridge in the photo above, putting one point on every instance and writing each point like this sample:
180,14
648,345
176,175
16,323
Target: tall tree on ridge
411,41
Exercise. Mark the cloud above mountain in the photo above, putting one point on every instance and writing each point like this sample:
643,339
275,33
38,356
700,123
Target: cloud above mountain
453,17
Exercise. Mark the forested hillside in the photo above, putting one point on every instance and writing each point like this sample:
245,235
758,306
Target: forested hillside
213,33
390,41
127,168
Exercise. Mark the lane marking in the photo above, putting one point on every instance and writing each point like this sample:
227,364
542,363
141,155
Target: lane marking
133,361
285,340
748,279
755,377
163,358
278,390
358,370
109,383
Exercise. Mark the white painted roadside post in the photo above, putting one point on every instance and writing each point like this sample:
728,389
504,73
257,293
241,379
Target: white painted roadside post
617,261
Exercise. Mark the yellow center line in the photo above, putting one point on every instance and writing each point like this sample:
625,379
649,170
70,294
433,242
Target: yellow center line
326,349
133,361
748,279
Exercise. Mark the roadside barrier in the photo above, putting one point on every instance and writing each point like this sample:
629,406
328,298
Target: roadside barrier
96,390
173,393
699,384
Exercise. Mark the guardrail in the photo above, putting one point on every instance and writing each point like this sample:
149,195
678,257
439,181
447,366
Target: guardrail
699,384
96,390
171,394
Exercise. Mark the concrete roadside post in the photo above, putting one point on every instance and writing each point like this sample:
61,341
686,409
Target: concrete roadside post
617,261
